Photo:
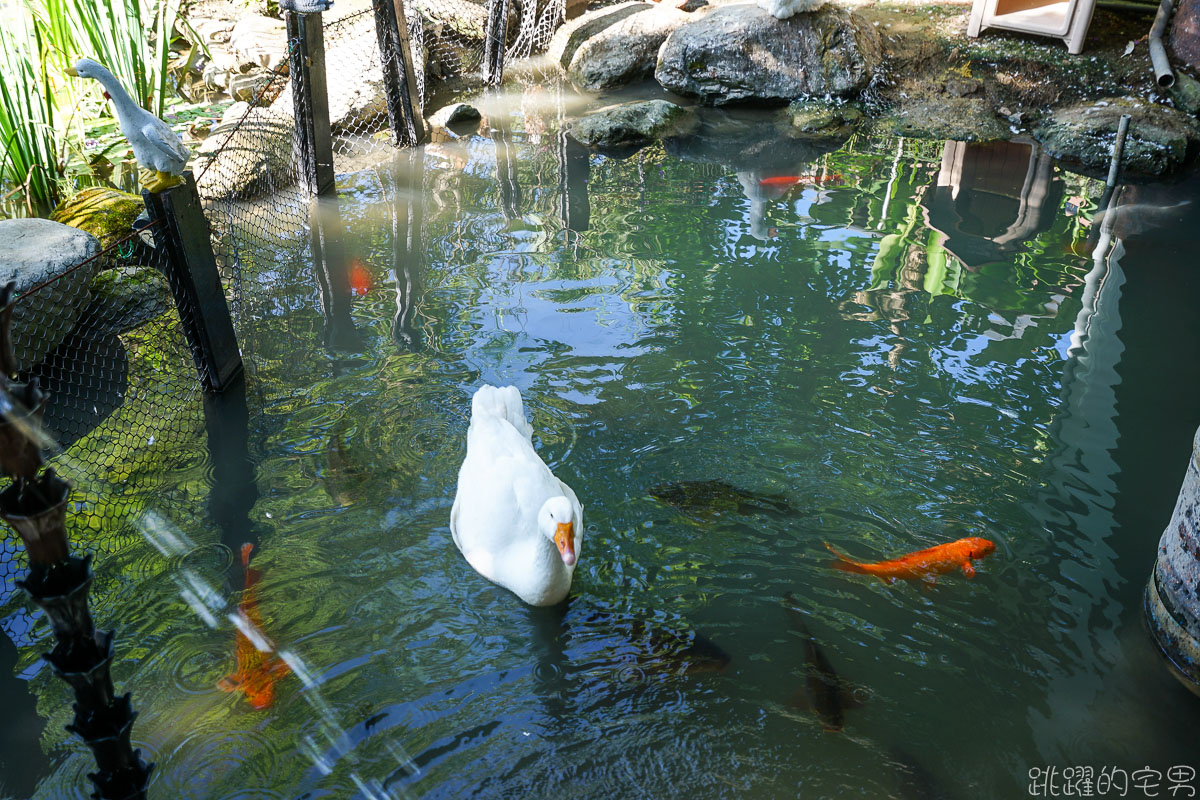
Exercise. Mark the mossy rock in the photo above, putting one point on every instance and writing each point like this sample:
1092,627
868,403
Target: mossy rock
963,119
632,124
105,213
125,297
816,117
1158,142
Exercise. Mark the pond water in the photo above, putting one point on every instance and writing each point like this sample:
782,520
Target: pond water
899,343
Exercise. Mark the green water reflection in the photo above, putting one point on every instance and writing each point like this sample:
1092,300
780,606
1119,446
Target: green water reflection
910,343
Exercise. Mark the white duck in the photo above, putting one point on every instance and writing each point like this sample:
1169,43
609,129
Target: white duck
782,9
155,146
515,523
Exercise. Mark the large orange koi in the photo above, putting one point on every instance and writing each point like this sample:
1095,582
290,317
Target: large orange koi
923,565
787,181
257,672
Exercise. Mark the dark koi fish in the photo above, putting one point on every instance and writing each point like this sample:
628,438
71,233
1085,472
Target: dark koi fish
824,691
715,497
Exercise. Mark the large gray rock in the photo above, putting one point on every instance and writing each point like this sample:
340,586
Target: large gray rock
37,252
245,159
258,40
455,115
820,117
353,76
740,52
617,45
1157,143
632,124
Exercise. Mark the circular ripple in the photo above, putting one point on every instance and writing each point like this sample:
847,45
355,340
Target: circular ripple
213,755
211,561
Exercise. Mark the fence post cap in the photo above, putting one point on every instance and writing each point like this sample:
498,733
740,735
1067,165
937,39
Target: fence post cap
305,6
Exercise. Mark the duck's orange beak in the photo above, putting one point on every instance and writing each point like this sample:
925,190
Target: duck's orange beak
564,537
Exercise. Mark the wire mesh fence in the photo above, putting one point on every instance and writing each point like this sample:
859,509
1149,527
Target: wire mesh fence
124,400
106,344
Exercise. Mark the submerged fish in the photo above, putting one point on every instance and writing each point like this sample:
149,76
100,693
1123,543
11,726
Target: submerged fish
916,781
924,565
717,497
824,691
784,181
257,671
360,279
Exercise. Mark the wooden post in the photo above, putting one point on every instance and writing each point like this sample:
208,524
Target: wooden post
495,40
399,76
312,143
191,269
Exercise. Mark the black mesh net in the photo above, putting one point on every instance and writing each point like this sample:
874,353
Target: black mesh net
106,344
124,403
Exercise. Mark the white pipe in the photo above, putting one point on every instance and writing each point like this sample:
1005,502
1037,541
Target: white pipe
1158,55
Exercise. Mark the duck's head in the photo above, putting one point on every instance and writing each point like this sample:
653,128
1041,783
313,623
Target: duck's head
556,521
87,68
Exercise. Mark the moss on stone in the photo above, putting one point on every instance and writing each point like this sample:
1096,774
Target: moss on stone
105,213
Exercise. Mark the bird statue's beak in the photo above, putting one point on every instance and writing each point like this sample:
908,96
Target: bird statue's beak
564,537
71,71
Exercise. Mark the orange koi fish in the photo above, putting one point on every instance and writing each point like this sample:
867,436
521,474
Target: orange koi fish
923,565
360,279
781,180
784,181
257,672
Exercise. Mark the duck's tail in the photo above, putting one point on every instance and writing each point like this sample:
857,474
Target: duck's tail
845,563
502,402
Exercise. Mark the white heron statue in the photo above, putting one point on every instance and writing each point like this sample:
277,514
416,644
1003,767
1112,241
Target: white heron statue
155,146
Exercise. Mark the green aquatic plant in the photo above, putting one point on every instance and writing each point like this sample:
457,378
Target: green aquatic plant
31,165
132,38
41,108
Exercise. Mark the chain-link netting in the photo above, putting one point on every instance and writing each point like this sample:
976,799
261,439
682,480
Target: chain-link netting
106,344
105,339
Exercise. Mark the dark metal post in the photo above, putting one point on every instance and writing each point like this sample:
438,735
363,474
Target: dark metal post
191,269
574,208
495,41
399,77
312,142
35,504
234,479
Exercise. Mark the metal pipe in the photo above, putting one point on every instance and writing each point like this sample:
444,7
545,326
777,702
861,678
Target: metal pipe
1158,55
1118,150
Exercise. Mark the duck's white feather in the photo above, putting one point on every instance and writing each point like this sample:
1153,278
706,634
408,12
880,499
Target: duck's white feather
782,9
502,486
